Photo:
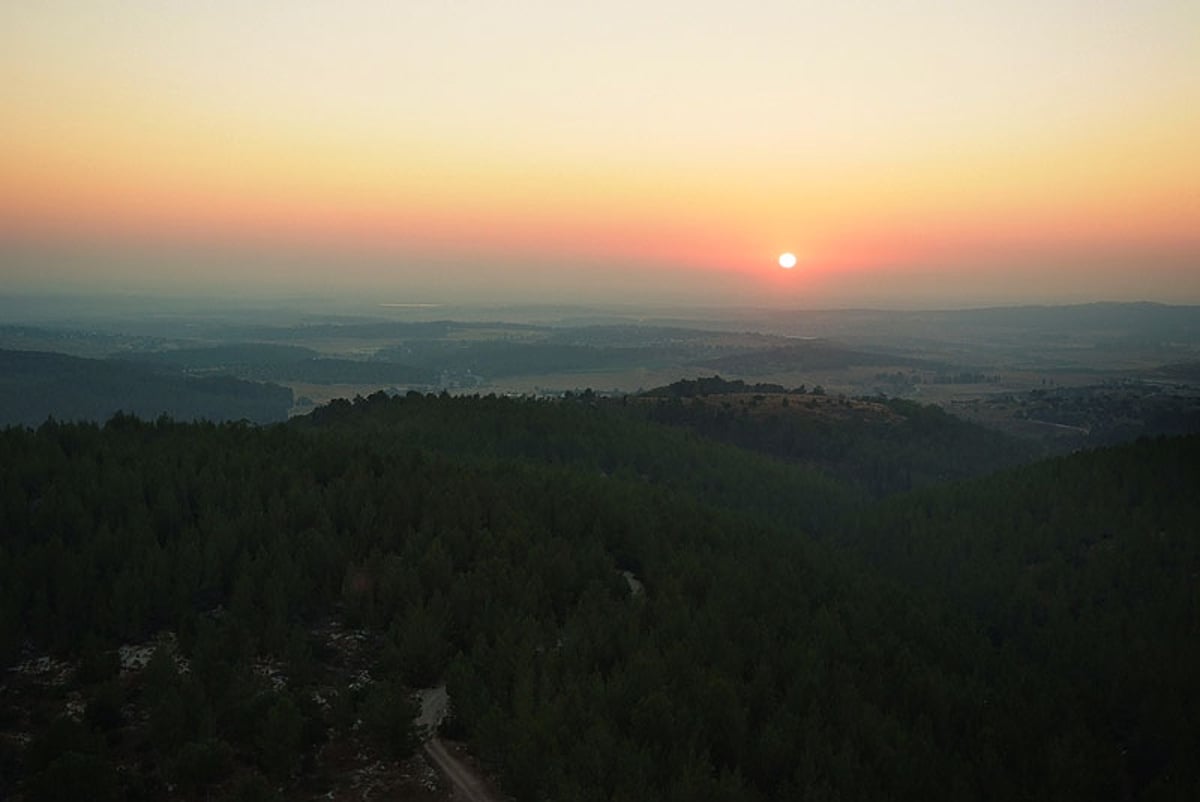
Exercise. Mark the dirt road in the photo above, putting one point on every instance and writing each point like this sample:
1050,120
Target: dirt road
467,784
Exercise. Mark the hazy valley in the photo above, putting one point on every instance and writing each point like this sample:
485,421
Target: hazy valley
1088,374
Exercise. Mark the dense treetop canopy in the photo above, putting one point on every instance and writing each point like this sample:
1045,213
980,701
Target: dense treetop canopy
803,629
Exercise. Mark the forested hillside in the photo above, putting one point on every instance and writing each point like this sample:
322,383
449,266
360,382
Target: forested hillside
881,445
1029,635
35,385
1083,571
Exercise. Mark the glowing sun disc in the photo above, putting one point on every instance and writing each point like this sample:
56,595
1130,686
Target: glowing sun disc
787,260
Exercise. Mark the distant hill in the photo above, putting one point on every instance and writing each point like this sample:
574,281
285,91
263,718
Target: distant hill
35,385
286,363
496,358
805,355
715,385
1141,321
1183,371
882,445
227,356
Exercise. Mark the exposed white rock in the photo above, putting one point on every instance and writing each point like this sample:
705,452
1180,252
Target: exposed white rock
435,704
636,588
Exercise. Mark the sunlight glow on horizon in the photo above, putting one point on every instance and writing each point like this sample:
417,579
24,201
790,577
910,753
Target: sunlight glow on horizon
952,145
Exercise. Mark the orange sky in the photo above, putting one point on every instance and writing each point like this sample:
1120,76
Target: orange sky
909,153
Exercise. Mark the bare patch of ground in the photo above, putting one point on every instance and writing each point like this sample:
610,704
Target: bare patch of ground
464,775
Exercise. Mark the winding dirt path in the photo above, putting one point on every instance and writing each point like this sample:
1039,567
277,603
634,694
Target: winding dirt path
466,782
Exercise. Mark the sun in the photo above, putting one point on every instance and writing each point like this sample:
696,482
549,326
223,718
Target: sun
787,260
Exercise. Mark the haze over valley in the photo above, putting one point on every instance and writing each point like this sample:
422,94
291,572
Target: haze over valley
1077,375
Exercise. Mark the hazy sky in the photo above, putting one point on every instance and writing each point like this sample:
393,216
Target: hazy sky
909,153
